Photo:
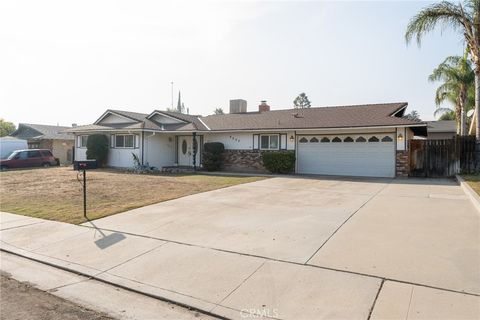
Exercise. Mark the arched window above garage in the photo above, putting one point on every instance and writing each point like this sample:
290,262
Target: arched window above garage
336,139
303,140
373,139
325,139
348,139
387,139
361,139
314,139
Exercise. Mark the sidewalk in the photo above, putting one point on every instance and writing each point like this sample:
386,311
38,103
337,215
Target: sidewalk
225,284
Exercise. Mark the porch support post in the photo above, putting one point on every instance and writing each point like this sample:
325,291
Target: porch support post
194,136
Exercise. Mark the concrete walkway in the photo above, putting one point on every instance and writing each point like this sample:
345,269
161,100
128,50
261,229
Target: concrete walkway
287,248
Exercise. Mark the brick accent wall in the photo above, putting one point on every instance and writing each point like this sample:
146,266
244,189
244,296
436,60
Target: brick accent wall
401,163
243,161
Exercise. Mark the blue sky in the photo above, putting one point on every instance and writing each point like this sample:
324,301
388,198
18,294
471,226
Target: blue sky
65,61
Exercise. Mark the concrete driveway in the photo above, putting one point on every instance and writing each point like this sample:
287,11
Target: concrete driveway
286,248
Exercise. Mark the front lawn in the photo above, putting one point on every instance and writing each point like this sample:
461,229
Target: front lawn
56,194
473,181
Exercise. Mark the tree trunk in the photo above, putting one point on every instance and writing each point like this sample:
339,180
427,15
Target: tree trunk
477,104
462,122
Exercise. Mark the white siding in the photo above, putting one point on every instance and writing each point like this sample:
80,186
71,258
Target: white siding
159,150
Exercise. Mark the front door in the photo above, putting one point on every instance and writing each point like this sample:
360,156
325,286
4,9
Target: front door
185,151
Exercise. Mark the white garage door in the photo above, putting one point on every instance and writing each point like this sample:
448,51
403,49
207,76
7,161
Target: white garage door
371,155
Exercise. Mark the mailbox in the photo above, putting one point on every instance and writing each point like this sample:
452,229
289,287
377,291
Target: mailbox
85,165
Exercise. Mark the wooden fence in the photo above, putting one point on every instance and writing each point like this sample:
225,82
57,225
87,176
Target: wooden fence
442,158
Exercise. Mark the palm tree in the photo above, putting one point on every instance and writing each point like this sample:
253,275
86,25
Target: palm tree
458,79
463,18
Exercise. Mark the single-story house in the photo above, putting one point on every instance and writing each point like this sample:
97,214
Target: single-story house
358,140
439,130
53,138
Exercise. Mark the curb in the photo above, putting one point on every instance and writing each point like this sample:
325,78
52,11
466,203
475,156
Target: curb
474,197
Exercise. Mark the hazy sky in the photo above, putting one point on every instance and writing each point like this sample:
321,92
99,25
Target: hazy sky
68,61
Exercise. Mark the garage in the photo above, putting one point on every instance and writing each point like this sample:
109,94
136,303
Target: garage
369,155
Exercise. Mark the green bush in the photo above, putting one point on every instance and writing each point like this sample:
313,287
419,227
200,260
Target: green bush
97,148
212,155
279,162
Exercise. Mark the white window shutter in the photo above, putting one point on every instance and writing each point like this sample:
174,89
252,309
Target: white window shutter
255,141
79,141
112,141
283,141
137,141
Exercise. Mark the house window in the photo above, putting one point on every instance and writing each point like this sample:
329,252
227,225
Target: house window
124,141
82,141
269,142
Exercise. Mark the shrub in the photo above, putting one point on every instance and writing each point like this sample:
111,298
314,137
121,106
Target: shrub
97,148
212,155
279,162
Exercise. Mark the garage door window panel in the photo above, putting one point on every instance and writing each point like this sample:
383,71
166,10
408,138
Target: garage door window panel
314,140
361,139
348,139
373,139
337,139
303,140
387,139
325,139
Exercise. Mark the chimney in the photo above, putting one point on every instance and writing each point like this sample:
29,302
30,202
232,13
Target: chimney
74,125
263,107
238,106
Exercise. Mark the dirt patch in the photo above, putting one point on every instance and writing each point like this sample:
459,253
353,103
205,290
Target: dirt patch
19,300
56,194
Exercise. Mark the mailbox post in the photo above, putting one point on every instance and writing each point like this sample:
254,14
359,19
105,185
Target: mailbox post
82,167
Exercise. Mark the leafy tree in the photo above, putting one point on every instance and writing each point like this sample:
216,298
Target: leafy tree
447,115
413,115
301,101
97,148
462,18
218,111
458,81
6,128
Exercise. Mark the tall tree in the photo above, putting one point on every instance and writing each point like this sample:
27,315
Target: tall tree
301,101
463,18
413,115
218,111
458,80
6,128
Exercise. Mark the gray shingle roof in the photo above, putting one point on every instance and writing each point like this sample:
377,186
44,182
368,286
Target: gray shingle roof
371,115
320,117
41,131
442,126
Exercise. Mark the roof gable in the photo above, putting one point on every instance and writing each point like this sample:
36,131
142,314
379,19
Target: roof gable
163,118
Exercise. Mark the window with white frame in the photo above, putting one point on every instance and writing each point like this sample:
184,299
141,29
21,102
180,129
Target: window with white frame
82,141
269,142
124,141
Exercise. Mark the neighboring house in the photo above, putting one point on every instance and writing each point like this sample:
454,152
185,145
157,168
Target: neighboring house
41,136
438,130
362,140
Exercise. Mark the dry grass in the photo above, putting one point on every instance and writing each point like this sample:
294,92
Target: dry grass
56,194
473,181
